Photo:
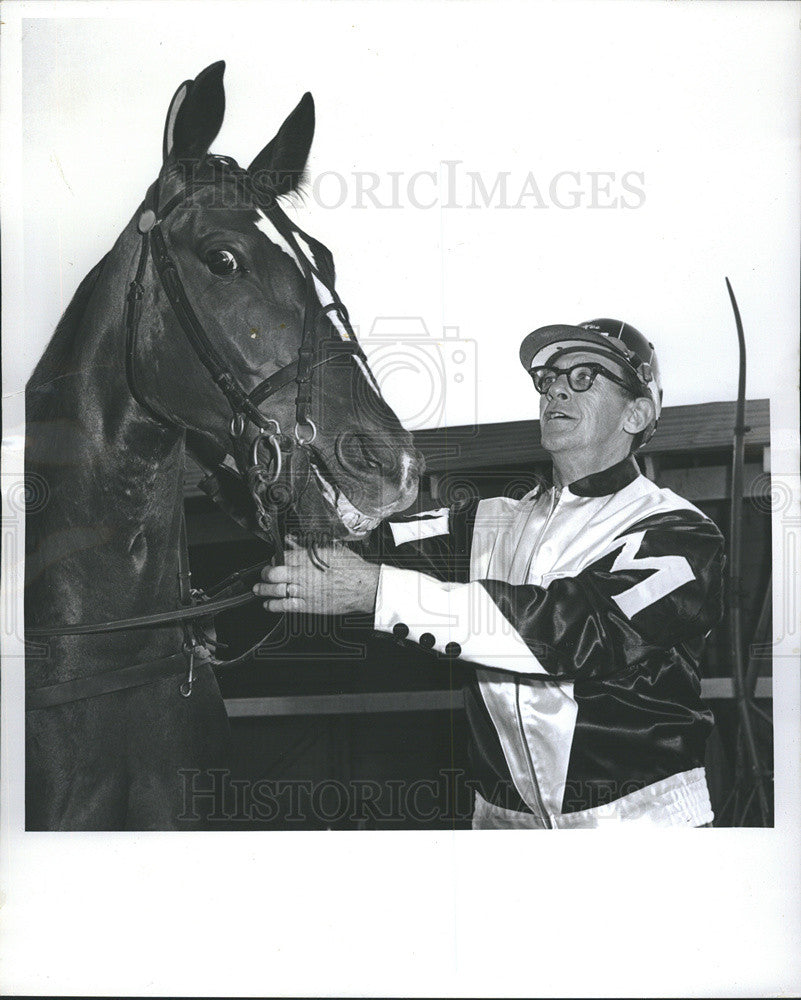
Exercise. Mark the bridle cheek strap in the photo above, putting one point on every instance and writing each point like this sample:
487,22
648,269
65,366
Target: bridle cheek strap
244,405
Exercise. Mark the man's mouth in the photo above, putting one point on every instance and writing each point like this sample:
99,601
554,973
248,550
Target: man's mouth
357,523
557,415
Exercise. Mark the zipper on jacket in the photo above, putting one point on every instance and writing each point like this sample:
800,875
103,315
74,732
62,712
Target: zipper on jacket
544,814
555,497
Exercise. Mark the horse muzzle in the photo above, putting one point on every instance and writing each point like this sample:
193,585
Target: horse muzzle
381,476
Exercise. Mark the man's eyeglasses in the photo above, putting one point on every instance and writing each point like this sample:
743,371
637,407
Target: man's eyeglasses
579,377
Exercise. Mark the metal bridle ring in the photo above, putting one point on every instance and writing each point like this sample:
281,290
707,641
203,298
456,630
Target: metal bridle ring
237,425
272,440
276,432
305,441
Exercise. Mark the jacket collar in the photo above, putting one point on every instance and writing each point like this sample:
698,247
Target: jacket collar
607,481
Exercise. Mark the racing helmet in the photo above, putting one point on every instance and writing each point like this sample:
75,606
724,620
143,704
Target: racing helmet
610,337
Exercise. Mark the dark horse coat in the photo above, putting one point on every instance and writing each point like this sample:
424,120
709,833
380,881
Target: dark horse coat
108,417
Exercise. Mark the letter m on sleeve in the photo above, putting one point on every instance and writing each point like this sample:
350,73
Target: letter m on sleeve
666,573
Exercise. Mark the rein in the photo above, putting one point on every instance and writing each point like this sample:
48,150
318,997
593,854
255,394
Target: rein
245,410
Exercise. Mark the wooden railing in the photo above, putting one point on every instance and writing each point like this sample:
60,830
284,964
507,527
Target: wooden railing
696,428
377,702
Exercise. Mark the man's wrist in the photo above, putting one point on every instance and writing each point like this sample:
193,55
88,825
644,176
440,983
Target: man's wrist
370,590
379,611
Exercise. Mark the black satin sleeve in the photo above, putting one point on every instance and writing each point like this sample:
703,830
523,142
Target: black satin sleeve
444,556
667,575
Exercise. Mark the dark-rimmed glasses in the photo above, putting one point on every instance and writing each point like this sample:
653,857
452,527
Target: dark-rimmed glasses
579,377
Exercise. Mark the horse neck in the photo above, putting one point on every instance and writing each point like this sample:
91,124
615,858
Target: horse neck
105,544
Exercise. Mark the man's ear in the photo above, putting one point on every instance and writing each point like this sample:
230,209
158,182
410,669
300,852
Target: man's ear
639,415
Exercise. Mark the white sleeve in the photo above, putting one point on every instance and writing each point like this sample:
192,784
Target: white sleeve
458,619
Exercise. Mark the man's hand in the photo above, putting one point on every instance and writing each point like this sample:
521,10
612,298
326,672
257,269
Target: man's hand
349,584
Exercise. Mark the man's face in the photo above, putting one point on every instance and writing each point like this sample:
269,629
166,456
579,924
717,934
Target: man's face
590,421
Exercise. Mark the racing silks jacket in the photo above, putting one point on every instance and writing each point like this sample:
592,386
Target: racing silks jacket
584,614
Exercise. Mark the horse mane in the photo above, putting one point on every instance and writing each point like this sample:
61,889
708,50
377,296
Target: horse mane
54,363
297,197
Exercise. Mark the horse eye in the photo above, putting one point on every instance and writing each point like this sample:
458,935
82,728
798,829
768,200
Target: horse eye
221,262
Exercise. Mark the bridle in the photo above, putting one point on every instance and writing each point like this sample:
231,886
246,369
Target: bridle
244,405
245,410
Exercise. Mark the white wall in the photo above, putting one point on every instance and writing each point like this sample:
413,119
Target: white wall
696,103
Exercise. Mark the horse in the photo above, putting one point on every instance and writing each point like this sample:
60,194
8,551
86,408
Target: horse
212,325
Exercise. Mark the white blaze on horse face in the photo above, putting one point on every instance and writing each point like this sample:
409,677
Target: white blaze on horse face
324,294
326,299
306,249
406,468
369,376
264,225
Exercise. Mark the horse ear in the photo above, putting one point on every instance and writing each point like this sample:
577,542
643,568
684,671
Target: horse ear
195,115
279,166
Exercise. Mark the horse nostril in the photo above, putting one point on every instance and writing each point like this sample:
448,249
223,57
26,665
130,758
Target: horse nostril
348,452
356,453
375,456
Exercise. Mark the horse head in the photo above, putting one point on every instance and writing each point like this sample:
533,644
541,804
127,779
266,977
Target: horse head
236,335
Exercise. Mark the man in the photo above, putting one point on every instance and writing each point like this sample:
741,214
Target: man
583,607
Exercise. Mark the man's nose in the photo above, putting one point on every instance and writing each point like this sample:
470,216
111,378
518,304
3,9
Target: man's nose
560,388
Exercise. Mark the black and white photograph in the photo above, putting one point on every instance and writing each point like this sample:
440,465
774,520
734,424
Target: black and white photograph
400,442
